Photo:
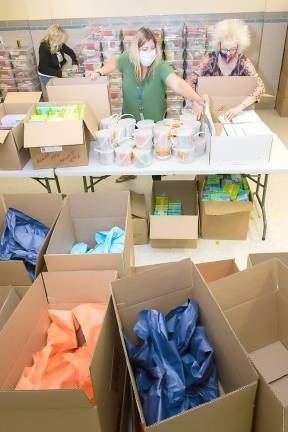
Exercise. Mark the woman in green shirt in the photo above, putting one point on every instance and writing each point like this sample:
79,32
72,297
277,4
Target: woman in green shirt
145,77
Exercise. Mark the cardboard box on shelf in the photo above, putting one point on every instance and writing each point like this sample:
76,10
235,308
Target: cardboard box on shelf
63,143
175,230
25,333
214,270
139,218
255,302
93,93
258,258
248,143
12,154
167,287
81,216
43,207
282,106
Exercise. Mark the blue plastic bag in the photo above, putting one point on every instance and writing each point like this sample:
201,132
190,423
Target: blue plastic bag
21,239
173,363
111,241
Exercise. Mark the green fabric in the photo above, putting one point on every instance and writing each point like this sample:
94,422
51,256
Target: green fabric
153,90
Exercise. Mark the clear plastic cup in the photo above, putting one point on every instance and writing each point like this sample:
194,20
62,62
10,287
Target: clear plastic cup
142,158
143,138
105,157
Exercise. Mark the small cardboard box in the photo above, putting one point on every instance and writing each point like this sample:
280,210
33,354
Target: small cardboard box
215,270
12,154
55,144
175,231
81,216
225,220
225,93
139,218
93,93
165,288
43,207
255,302
258,258
282,106
25,333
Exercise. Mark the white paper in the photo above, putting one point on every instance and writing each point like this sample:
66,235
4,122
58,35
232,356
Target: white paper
51,149
249,116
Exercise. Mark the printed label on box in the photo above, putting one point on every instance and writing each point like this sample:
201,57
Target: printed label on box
51,149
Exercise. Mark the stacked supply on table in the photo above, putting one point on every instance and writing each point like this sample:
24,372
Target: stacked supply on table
225,207
282,94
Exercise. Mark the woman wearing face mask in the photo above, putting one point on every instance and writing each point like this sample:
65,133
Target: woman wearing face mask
231,38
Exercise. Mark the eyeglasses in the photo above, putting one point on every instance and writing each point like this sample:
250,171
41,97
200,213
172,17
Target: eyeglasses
227,51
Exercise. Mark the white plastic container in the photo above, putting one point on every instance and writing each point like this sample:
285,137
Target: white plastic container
143,138
127,126
162,149
105,157
105,139
184,155
124,154
145,124
142,158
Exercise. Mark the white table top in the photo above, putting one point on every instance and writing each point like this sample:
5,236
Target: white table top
27,171
278,164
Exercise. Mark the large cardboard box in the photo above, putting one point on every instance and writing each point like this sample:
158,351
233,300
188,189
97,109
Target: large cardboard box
283,85
55,144
12,154
43,207
215,270
81,216
285,62
282,105
139,218
258,258
255,302
94,93
167,287
252,143
175,231
224,220
25,333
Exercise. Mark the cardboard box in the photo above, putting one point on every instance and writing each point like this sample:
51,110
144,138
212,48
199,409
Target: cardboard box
43,207
282,106
12,154
225,220
283,85
175,231
139,218
285,62
214,270
258,258
251,147
255,302
55,144
25,333
9,300
94,93
81,216
167,287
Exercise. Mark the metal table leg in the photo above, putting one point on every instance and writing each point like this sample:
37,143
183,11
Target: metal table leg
89,184
261,198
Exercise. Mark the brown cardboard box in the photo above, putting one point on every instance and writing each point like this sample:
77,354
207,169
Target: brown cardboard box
255,302
81,216
175,231
43,207
139,218
167,287
285,62
94,93
258,258
282,106
214,270
12,154
25,333
9,300
283,85
225,220
60,143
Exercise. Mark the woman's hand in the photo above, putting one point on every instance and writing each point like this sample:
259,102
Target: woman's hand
197,110
232,112
75,68
64,74
94,75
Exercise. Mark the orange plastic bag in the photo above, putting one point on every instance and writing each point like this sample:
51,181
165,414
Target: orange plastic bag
64,362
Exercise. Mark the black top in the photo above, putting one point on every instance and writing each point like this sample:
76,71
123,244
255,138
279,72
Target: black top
49,64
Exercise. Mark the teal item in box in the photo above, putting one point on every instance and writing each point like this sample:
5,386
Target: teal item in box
220,197
243,196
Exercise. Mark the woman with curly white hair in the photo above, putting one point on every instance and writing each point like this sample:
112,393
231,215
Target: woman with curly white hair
231,38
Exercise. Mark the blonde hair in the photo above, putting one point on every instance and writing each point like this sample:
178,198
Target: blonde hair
55,37
142,36
231,30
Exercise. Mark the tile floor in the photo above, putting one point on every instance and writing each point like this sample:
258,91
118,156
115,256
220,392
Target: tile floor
276,205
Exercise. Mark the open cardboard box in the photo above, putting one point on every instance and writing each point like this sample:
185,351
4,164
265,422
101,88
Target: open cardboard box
164,288
55,144
139,218
25,333
13,156
175,231
93,93
43,207
81,216
255,302
227,92
215,270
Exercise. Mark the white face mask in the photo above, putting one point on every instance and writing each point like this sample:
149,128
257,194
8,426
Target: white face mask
147,57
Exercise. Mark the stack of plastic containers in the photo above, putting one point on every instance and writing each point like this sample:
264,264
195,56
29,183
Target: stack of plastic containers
115,93
195,46
128,34
90,54
209,40
111,44
7,78
25,69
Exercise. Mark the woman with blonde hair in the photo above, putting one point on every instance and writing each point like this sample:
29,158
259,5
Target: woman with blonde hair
231,38
145,77
52,52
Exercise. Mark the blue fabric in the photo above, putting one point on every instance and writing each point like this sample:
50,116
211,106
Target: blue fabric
173,362
22,239
106,242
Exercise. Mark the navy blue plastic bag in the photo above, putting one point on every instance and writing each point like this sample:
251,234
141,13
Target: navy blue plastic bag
21,239
174,363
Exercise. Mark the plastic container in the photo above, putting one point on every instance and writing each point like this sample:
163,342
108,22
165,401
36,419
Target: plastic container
195,55
162,149
142,158
145,124
5,64
173,30
193,31
116,109
91,45
172,55
105,157
91,55
115,92
91,66
129,32
126,127
22,54
171,123
143,138
124,154
7,83
192,65
4,54
109,33
184,155
174,43
105,139
107,55
112,45
6,74
196,42
24,73
23,64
